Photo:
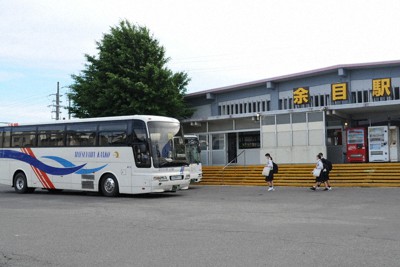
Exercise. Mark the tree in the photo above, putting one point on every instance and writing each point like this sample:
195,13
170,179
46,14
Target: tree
129,76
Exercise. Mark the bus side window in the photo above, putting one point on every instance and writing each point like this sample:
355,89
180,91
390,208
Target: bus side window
30,142
73,140
91,140
103,140
60,142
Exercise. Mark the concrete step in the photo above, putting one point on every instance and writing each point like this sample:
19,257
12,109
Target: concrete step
360,175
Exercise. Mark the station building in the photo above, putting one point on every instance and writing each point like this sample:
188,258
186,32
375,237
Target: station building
296,116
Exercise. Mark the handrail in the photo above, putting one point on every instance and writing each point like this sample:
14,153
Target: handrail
244,151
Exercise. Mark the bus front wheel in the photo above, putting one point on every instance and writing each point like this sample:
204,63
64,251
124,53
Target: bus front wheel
109,186
20,183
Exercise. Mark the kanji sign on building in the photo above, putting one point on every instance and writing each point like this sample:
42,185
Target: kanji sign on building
301,95
381,87
339,92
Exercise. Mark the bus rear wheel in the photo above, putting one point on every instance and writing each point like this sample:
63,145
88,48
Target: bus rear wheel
20,183
109,186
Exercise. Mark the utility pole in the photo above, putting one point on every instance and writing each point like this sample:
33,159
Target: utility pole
57,102
69,107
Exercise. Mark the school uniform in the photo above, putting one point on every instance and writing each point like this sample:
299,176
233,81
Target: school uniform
270,176
325,171
320,166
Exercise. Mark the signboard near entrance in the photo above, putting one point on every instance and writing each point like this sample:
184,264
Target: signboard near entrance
378,143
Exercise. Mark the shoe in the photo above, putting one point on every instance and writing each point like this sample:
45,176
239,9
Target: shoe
271,189
329,188
313,188
326,189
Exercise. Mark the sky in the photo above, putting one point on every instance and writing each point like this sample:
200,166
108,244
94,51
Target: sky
218,43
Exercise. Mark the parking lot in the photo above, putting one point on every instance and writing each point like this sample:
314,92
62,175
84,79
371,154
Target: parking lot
202,226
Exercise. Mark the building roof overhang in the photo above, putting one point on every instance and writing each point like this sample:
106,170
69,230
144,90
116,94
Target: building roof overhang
333,69
356,110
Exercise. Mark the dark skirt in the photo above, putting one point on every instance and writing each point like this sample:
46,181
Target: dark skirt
323,177
270,177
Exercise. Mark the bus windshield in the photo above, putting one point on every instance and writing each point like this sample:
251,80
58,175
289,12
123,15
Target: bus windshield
167,144
193,149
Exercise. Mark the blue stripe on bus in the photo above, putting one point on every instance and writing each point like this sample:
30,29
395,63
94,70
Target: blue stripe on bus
69,164
11,154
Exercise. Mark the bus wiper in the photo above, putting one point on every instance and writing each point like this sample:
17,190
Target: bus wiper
165,162
175,163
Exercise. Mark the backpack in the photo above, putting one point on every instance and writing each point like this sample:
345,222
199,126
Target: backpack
327,164
275,167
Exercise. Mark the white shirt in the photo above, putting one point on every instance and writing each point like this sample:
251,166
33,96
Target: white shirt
269,163
319,165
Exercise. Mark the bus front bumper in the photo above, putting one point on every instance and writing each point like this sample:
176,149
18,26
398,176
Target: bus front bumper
170,186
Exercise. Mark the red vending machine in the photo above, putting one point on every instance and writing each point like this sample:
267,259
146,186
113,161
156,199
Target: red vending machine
357,148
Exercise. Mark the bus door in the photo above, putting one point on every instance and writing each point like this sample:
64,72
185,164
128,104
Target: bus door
141,169
378,144
4,167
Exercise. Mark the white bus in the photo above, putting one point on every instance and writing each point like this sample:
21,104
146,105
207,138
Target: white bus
111,155
194,157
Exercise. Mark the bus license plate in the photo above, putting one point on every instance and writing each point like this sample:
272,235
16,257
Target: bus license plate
176,177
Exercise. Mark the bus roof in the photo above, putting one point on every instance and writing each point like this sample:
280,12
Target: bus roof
111,118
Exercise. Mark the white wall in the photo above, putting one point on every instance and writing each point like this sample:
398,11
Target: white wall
296,143
251,157
202,112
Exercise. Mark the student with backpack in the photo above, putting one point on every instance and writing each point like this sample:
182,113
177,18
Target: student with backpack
319,176
270,177
327,168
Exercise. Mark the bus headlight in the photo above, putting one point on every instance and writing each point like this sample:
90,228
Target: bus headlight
160,178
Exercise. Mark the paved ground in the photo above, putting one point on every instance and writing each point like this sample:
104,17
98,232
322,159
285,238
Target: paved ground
203,226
